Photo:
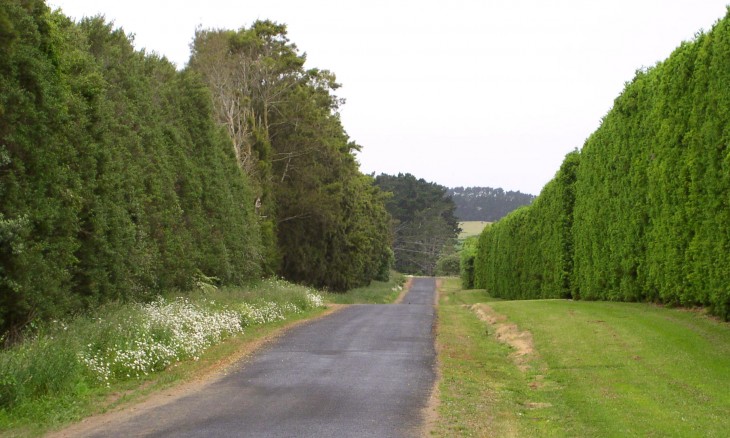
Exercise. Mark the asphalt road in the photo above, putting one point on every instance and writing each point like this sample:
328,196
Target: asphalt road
364,371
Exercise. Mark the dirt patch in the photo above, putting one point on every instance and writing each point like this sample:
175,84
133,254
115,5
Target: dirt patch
487,314
116,397
538,405
406,288
510,334
203,377
538,382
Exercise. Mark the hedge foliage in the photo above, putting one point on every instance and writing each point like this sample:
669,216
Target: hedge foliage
115,181
642,212
527,254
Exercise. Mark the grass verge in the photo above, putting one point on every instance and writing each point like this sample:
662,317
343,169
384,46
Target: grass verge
594,369
68,371
378,292
480,388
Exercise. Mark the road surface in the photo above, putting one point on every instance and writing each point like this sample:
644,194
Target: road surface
364,371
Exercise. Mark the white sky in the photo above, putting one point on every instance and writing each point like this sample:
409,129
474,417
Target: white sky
459,92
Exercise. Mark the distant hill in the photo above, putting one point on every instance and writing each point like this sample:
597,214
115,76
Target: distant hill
485,203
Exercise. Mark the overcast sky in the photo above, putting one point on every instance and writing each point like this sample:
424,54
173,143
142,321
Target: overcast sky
459,92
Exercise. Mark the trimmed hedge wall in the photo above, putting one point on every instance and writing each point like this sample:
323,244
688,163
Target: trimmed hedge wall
642,213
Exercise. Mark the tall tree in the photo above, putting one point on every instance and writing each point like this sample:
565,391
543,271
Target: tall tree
249,71
286,124
424,221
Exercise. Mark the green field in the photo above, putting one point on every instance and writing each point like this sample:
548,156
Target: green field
596,369
471,228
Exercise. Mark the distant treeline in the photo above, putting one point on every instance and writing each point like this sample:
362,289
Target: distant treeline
642,213
121,177
485,203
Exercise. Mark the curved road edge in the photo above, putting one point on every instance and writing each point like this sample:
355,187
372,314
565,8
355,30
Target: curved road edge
188,386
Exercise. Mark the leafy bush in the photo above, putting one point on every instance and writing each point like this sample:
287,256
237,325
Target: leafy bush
448,265
467,255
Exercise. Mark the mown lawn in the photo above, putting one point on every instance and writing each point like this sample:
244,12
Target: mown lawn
597,369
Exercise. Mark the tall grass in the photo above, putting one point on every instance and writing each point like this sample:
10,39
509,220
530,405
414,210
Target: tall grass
61,363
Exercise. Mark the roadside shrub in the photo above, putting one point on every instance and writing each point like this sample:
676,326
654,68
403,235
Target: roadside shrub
387,262
466,263
448,265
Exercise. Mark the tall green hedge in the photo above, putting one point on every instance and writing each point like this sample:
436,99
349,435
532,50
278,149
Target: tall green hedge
646,215
115,181
527,253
